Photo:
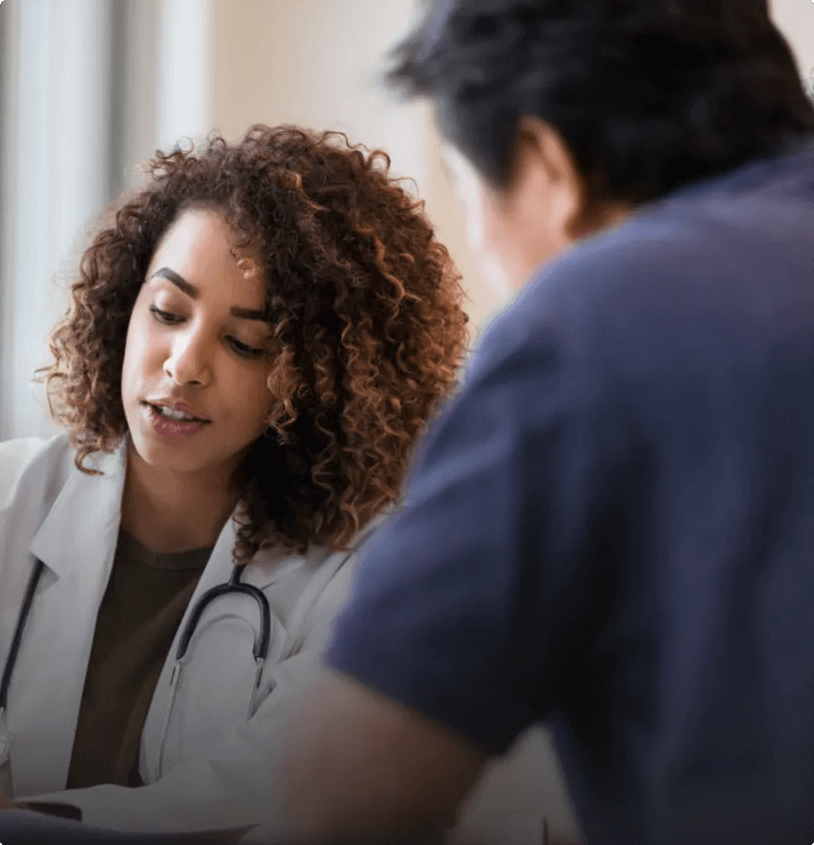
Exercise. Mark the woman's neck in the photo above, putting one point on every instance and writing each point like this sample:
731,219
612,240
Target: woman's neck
172,512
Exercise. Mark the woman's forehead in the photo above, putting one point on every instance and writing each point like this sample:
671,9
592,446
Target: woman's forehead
201,246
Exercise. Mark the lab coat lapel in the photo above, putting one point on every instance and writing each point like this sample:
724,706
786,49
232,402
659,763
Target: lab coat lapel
217,571
265,569
77,543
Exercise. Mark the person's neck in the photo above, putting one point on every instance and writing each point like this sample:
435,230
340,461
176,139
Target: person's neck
172,512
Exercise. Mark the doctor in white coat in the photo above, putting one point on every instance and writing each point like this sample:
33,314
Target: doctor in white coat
254,344
206,763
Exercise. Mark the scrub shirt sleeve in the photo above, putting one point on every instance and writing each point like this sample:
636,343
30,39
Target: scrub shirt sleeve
475,605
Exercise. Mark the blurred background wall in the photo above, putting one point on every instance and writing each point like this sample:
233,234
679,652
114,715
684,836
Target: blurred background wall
90,88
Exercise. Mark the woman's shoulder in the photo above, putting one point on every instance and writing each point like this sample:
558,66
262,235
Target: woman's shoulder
26,461
24,451
318,558
371,528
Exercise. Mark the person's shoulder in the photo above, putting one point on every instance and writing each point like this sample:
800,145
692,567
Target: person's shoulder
347,556
320,557
712,240
731,225
577,300
27,463
701,254
594,278
21,454
332,584
649,299
319,581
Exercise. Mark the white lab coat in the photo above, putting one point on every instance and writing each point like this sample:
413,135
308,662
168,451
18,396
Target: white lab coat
215,768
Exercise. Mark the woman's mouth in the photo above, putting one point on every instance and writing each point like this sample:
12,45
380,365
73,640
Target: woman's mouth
170,423
175,416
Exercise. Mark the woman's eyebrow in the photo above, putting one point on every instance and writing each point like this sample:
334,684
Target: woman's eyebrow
194,293
249,314
171,276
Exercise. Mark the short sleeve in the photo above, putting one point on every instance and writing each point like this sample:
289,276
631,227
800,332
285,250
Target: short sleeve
475,604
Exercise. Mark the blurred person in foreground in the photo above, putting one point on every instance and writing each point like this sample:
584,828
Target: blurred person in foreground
611,529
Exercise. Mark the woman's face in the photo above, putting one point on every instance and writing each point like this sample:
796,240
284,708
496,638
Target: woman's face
194,375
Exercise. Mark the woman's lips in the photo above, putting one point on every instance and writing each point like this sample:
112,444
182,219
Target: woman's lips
178,407
166,427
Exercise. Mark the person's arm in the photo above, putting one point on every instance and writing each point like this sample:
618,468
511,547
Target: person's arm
403,774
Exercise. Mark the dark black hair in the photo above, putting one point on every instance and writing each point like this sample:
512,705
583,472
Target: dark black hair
648,95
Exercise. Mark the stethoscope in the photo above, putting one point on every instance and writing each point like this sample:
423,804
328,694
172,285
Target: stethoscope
233,585
11,660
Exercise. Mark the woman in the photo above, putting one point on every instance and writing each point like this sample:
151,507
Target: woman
253,346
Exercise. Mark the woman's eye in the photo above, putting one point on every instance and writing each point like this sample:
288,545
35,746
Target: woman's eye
168,318
165,316
244,350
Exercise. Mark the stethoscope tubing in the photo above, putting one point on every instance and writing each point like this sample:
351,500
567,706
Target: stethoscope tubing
22,619
259,649
234,585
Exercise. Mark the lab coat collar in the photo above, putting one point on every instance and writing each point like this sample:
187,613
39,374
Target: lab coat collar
76,542
269,565
266,567
88,506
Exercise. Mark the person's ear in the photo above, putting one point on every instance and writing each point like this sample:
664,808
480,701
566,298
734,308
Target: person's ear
546,166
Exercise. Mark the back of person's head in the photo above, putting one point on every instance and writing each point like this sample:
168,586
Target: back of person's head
648,95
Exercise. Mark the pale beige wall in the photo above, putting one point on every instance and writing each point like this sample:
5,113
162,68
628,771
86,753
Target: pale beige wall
795,19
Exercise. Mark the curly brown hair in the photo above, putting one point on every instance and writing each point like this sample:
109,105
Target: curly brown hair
365,305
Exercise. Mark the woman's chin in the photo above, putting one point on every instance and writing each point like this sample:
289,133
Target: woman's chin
163,455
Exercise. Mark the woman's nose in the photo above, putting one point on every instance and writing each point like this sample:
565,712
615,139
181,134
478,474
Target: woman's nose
189,360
